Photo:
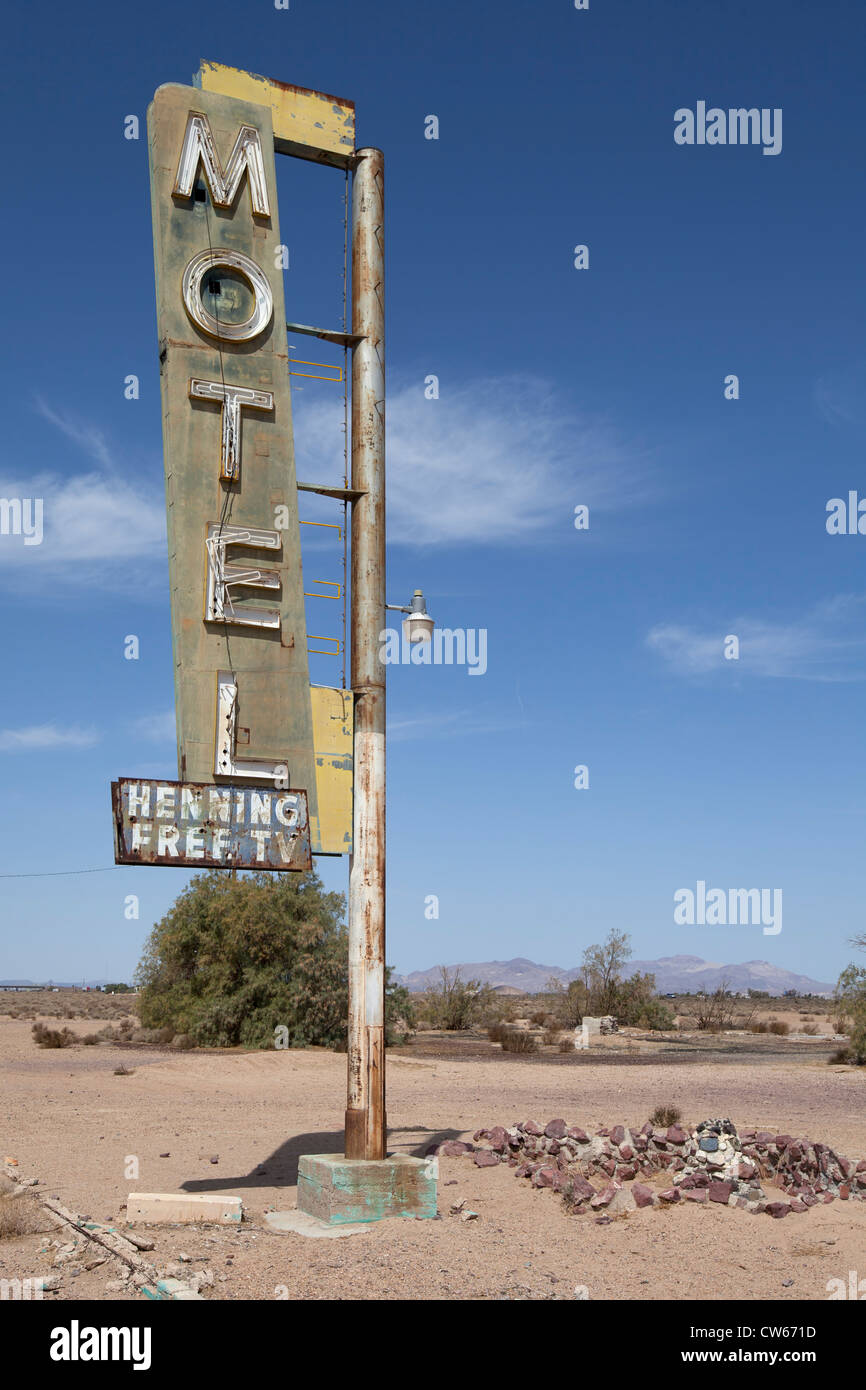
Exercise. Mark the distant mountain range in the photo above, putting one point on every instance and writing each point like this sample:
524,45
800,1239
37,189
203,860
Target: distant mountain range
680,974
57,984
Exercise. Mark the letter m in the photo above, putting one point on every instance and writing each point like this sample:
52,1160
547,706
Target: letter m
741,122
744,906
245,158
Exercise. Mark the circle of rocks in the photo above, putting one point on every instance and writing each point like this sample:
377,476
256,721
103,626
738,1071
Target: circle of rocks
712,1163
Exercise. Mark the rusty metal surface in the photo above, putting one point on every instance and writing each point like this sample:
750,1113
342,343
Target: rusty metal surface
365,1115
198,825
256,482
307,123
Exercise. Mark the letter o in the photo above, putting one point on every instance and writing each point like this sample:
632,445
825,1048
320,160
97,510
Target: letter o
256,279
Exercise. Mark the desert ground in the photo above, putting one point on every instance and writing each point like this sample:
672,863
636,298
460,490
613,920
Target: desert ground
73,1124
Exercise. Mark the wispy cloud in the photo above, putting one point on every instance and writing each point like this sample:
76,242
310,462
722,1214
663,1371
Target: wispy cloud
828,643
46,736
495,460
88,520
94,523
156,728
840,396
452,724
87,436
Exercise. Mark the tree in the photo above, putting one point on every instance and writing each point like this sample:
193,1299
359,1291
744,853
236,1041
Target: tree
850,998
236,959
602,968
456,1004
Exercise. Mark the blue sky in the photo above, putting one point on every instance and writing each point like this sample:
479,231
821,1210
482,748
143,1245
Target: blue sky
558,387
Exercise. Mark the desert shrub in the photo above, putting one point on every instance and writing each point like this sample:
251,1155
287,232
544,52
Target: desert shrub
456,1004
400,1014
52,1037
184,1042
656,1015
496,1032
540,1018
21,1216
842,1054
810,1029
840,1025
759,1026
566,1044
550,1037
92,1039
234,959
123,1071
665,1115
778,1026
516,1040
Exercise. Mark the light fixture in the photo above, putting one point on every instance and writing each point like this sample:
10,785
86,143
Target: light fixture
418,626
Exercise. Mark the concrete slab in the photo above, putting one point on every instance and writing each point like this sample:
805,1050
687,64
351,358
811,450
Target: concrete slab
341,1191
302,1224
166,1207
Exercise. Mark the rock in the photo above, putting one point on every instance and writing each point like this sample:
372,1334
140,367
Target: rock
675,1135
556,1129
544,1177
672,1194
581,1189
778,1209
452,1148
498,1138
623,1200
626,1151
617,1134
575,1132
6,1185
697,1194
605,1197
720,1191
643,1195
530,1127
485,1159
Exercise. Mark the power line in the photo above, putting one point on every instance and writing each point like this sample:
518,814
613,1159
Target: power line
56,873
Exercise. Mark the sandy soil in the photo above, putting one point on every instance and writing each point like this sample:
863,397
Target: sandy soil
73,1124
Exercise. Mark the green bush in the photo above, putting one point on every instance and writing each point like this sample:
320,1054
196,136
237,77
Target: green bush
235,959
656,1015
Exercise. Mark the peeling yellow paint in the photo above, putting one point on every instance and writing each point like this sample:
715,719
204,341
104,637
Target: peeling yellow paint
312,125
333,731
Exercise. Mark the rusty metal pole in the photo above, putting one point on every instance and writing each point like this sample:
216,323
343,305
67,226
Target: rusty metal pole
365,1112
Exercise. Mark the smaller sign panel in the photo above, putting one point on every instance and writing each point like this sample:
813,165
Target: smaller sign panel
192,826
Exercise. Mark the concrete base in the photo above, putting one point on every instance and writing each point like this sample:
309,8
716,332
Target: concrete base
338,1190
157,1208
299,1223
